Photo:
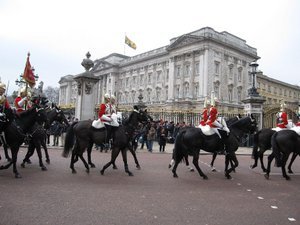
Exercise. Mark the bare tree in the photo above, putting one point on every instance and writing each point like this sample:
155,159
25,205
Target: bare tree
52,93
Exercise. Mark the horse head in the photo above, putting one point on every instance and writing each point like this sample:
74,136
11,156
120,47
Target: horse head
246,124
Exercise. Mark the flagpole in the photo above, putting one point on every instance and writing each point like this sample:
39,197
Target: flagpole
124,44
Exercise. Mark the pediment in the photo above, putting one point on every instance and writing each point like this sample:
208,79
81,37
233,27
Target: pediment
101,64
184,40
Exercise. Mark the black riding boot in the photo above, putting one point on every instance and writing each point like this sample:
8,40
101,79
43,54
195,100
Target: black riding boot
108,137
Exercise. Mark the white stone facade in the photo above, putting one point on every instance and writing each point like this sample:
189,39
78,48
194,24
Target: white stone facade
176,77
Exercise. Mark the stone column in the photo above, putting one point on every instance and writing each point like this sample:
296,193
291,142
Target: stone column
171,80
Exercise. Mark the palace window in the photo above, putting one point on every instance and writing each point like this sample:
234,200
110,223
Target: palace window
197,69
187,70
217,67
178,71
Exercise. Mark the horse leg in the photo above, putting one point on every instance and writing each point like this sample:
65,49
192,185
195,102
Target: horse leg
89,154
84,162
29,153
213,161
171,163
175,167
135,158
74,158
5,147
270,159
43,143
39,153
186,158
291,162
261,158
124,156
114,154
196,164
285,157
230,157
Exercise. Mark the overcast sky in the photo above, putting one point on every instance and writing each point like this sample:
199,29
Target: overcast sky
58,33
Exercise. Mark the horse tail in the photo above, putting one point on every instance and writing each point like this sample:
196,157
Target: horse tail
255,144
276,150
178,147
69,140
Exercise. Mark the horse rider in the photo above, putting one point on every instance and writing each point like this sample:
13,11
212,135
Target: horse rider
298,116
212,117
4,104
282,117
104,115
204,114
22,101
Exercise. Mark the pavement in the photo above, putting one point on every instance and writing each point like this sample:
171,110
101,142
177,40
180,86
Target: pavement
169,149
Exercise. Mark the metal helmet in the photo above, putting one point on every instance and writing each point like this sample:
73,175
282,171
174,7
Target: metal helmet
3,86
206,102
106,96
282,106
113,97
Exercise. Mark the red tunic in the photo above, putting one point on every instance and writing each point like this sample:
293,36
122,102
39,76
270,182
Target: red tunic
18,107
283,120
213,113
105,109
298,124
204,117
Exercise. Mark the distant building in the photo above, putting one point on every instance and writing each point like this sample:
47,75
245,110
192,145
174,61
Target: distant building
176,78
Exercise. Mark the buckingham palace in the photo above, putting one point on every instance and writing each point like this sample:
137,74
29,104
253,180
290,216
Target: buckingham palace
176,78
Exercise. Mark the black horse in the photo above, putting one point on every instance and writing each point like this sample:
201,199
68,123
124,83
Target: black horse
283,142
229,122
262,143
7,116
82,135
38,136
190,140
15,132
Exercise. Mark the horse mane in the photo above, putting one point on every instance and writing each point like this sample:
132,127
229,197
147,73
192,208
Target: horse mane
241,122
26,112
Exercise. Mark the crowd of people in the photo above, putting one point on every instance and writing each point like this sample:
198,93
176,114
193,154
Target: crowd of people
161,131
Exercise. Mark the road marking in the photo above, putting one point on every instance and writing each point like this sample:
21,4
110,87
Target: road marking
274,207
249,190
261,198
239,184
292,219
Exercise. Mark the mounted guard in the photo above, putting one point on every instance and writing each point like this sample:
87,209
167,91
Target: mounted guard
21,102
213,121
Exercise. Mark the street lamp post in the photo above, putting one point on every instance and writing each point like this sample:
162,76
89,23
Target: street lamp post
253,91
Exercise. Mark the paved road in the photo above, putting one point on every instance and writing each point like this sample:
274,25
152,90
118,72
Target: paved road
151,196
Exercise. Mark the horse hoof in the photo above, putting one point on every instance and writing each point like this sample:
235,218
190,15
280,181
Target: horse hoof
138,167
74,171
48,161
213,170
28,161
228,176
130,174
115,168
175,175
267,176
205,177
287,178
169,166
92,165
23,165
44,168
17,175
87,171
192,170
102,172
291,172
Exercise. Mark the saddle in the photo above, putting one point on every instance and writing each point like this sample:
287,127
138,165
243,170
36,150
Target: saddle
98,124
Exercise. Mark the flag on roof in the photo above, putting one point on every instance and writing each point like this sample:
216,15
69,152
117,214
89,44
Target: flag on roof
130,43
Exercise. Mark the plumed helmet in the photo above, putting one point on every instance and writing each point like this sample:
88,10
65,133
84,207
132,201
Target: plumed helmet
206,102
113,97
106,96
214,101
22,90
282,106
3,86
